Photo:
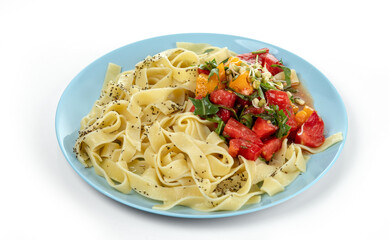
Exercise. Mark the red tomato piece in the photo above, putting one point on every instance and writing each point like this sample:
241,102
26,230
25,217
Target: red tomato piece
311,133
264,128
248,150
253,110
223,97
242,102
270,147
224,114
234,146
248,57
270,59
281,99
291,122
266,59
235,129
203,71
251,57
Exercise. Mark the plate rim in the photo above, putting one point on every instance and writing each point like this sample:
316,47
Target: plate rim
203,215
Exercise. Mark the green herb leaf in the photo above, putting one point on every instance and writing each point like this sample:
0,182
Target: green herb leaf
204,107
245,97
209,50
209,65
214,71
222,138
267,86
283,128
260,93
292,99
247,120
225,60
219,121
266,117
259,51
287,73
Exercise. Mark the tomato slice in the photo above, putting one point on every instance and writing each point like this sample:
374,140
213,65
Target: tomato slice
235,129
224,114
199,70
311,133
281,99
252,57
248,150
242,103
253,110
270,59
234,146
223,97
264,58
264,128
270,147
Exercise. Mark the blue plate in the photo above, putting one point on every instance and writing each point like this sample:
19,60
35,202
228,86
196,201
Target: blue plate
84,89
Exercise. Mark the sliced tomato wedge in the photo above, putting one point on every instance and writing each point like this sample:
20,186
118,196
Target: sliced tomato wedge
281,99
264,128
223,97
235,129
270,147
252,57
270,59
199,70
224,114
265,58
311,133
248,150
253,110
241,102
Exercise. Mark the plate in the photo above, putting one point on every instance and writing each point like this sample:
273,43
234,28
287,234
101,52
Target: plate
79,96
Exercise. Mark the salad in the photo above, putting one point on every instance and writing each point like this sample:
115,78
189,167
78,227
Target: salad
255,102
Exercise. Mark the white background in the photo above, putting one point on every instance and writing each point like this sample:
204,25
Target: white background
44,44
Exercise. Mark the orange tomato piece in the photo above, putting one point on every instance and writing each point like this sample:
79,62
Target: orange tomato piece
234,60
222,72
302,116
202,85
241,84
308,110
216,82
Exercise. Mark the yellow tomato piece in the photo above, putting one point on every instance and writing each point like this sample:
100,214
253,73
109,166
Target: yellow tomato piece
202,85
242,84
222,72
308,110
234,60
216,82
301,117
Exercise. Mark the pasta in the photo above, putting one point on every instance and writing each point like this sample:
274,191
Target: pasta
141,136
